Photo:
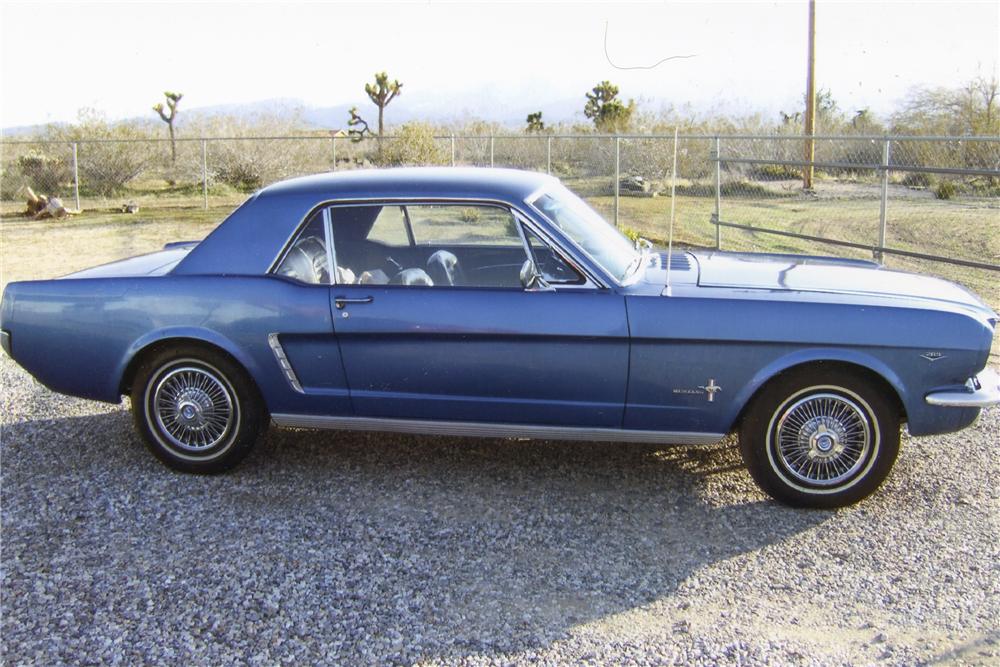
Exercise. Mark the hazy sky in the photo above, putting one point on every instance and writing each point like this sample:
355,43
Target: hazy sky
57,58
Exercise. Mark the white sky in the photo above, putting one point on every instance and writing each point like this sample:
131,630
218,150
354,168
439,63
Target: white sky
118,58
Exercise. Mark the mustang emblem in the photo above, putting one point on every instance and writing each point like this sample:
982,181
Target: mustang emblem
932,356
710,389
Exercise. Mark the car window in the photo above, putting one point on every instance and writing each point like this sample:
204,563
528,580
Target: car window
554,269
450,224
307,259
390,227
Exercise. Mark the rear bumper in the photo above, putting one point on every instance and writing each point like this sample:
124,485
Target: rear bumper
981,391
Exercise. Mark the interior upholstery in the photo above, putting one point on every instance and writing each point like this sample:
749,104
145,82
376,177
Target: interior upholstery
444,268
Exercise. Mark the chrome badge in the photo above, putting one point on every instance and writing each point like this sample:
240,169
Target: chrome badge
932,356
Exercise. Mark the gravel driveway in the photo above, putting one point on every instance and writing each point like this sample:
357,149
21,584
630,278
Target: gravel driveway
362,548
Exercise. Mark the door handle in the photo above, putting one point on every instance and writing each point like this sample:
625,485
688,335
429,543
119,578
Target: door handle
341,301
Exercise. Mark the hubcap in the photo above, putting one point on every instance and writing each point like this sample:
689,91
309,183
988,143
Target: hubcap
193,408
823,439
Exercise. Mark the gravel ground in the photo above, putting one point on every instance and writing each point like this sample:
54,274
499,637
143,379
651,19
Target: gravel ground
364,548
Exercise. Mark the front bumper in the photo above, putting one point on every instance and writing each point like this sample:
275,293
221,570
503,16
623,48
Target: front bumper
981,391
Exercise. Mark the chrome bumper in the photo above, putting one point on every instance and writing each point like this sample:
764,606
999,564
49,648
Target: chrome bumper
987,392
5,341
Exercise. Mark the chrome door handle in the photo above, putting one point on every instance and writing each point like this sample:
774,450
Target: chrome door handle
341,301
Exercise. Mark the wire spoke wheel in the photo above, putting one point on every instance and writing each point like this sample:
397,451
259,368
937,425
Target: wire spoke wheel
194,408
823,439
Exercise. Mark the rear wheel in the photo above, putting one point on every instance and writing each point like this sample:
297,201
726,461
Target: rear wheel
196,410
820,437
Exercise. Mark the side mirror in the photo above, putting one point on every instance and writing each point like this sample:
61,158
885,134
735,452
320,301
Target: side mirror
532,280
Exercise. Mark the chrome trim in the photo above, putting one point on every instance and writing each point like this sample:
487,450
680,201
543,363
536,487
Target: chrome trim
402,201
493,430
331,252
340,301
576,247
5,342
987,394
589,281
283,363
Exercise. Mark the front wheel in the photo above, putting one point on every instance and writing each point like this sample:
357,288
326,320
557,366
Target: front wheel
196,410
820,438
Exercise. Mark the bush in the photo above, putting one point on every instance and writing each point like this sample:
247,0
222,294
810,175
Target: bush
945,190
106,167
413,144
44,173
469,215
917,179
776,172
632,234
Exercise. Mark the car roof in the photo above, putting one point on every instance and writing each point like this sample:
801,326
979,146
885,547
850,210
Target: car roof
250,239
484,182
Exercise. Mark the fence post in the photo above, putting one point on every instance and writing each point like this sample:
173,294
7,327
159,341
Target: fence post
548,155
618,167
886,152
491,150
717,150
204,171
453,150
335,153
76,178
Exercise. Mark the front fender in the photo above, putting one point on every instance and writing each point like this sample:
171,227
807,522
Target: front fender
817,355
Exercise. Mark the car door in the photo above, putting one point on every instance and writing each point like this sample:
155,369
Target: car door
483,349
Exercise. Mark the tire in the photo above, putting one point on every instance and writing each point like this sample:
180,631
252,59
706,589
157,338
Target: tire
196,410
820,437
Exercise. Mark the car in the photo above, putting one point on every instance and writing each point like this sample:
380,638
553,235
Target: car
495,302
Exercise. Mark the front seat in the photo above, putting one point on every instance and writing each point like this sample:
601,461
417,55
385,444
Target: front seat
412,277
444,268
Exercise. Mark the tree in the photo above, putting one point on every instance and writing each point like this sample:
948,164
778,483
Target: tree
172,100
606,110
357,121
971,109
535,123
381,94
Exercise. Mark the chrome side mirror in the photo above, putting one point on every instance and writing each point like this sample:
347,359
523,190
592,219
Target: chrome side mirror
532,280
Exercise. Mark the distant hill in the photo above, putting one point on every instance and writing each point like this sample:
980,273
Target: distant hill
483,104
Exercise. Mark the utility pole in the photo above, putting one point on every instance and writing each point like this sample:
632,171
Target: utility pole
810,146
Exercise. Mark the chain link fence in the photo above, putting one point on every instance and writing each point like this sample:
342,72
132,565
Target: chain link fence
930,204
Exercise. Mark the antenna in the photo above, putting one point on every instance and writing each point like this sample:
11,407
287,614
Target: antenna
673,196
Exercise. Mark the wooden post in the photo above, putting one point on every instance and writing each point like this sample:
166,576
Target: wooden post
810,145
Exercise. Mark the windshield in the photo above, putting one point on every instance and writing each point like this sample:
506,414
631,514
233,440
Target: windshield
605,244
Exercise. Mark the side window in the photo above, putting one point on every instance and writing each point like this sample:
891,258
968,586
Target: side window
389,227
307,259
451,225
550,264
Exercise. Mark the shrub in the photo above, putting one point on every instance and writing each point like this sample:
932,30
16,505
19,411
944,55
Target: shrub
106,167
632,234
469,215
945,190
917,179
45,174
776,172
412,144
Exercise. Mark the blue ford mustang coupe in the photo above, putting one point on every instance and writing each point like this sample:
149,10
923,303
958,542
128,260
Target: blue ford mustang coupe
491,302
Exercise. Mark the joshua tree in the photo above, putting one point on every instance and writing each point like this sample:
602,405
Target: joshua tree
606,110
357,121
535,123
381,94
172,100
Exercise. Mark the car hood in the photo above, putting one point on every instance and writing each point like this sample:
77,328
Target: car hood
795,273
153,264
